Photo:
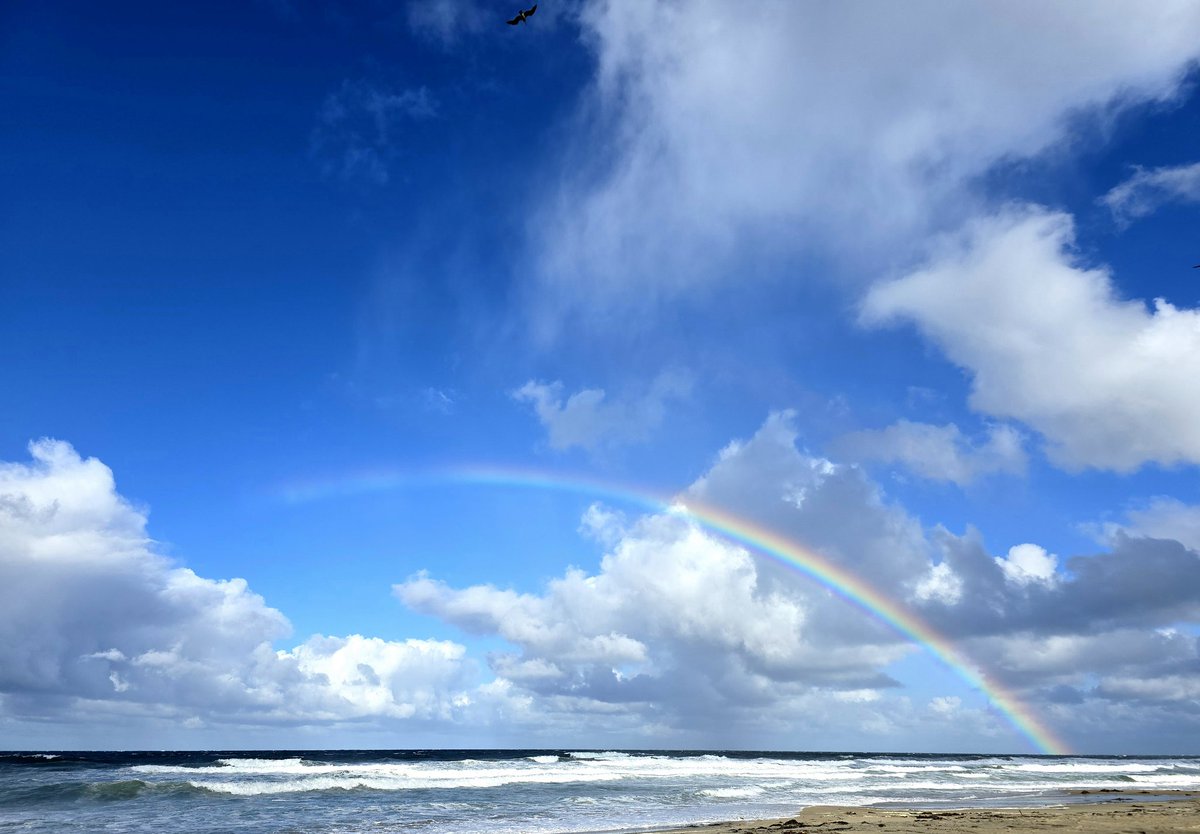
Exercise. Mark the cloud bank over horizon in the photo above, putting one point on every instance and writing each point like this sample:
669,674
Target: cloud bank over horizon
92,613
677,629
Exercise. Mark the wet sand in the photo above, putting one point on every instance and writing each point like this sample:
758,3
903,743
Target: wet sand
1139,812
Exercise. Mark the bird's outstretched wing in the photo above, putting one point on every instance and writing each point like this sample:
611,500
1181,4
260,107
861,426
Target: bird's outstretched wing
514,21
529,12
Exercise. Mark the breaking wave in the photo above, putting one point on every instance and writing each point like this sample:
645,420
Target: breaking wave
533,791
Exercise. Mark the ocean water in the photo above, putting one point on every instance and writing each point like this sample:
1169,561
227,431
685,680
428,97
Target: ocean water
512,791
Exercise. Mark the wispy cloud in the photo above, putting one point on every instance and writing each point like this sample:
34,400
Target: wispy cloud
589,419
941,453
1161,517
440,400
359,129
445,20
720,142
1144,192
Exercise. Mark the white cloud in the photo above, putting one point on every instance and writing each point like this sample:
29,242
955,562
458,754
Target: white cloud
1146,190
680,625
762,137
832,508
1029,563
941,453
1185,688
674,620
1048,341
603,524
946,706
90,612
589,420
366,676
940,584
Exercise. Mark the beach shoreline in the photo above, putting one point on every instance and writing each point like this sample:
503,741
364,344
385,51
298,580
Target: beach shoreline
1110,812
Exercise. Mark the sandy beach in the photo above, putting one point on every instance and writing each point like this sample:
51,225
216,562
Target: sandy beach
1163,812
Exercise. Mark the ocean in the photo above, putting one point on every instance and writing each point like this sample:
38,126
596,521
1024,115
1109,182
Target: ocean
512,791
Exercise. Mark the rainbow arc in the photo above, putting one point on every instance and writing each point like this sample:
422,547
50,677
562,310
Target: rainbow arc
745,532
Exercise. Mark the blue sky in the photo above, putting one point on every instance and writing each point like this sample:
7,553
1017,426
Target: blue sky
884,281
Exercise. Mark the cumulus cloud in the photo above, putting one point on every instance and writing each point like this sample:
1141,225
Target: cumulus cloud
1146,190
1138,583
940,583
588,419
941,453
370,677
1068,629
1028,563
674,620
91,613
678,624
833,508
762,137
836,510
1143,679
356,137
1048,341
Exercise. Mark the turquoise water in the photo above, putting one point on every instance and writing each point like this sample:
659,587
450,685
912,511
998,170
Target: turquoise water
534,791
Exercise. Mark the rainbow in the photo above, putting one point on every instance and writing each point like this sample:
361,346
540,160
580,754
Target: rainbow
834,577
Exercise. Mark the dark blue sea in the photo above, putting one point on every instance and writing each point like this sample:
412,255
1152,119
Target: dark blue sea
462,791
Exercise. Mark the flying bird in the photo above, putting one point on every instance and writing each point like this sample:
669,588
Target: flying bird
523,16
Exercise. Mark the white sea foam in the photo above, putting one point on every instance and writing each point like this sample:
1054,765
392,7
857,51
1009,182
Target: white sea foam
1168,780
732,793
915,769
1082,766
